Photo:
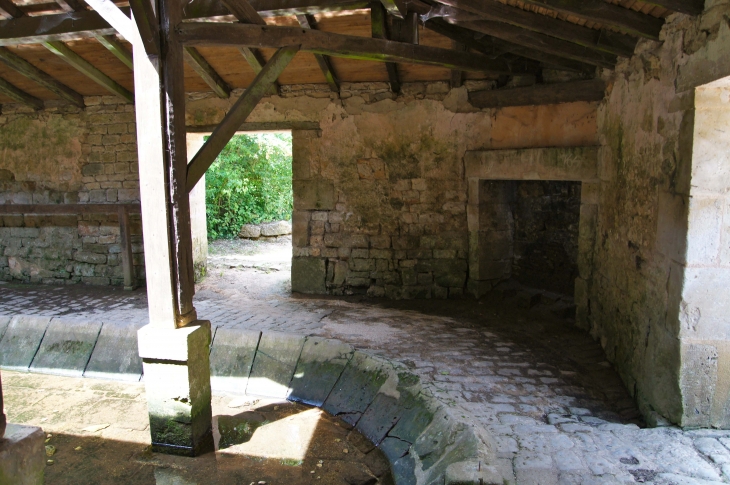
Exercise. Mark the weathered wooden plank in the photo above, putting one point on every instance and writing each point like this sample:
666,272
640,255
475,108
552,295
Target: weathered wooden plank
261,126
147,25
405,29
10,10
539,94
309,22
19,95
244,12
116,48
238,114
55,209
379,27
541,42
33,73
602,40
119,18
336,45
396,8
690,7
624,19
84,66
206,71
125,239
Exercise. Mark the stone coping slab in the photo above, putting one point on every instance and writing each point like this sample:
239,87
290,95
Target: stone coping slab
424,440
21,340
66,347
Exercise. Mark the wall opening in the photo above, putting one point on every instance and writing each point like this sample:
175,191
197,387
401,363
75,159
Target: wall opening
529,232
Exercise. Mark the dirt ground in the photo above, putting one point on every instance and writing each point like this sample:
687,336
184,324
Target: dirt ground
98,433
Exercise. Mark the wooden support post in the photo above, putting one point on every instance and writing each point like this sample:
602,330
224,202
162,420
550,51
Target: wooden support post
3,420
130,279
237,115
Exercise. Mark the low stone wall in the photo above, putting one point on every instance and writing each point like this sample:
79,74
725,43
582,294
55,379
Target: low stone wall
425,440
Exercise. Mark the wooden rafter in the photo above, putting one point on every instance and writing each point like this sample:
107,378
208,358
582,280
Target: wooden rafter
19,95
602,40
147,25
336,45
10,10
309,22
257,62
539,94
690,7
238,114
272,8
84,66
206,71
33,73
379,27
117,48
624,19
541,42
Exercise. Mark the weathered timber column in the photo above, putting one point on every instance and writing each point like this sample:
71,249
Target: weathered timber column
3,421
175,345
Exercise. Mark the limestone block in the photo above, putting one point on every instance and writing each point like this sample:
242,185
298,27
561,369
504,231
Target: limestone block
705,306
308,275
571,163
300,228
277,228
704,230
698,381
66,347
472,473
177,380
314,194
115,355
357,387
449,272
231,359
250,231
320,365
274,364
22,456
21,341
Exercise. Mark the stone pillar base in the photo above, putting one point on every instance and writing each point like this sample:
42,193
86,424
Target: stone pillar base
177,379
22,456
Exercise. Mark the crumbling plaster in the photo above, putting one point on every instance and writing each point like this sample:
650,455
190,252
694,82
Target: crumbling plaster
655,295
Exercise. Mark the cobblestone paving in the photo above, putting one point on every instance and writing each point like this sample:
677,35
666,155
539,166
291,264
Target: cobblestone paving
556,409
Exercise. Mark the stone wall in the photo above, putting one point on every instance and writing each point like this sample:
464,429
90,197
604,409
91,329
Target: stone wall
380,193
656,294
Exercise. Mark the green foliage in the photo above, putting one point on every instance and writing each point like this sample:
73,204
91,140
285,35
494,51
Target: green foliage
249,183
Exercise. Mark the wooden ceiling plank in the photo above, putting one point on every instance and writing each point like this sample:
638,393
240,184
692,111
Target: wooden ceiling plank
238,114
33,73
85,67
496,47
379,29
690,7
147,25
257,62
335,45
624,19
206,71
309,22
541,42
19,95
10,10
603,40
540,94
117,48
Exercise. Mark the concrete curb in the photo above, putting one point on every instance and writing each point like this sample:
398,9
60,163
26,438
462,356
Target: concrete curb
426,442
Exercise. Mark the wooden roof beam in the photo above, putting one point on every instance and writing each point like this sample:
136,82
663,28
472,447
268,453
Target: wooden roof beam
85,67
624,19
206,71
33,73
149,30
71,5
309,22
538,94
19,95
10,10
690,7
336,45
601,40
238,114
46,28
379,28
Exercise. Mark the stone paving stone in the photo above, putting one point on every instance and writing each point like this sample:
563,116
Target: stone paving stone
274,364
66,347
115,355
320,365
21,341
231,358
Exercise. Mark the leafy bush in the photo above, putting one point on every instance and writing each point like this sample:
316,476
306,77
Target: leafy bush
249,183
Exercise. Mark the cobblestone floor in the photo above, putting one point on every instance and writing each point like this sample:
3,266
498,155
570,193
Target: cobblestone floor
557,410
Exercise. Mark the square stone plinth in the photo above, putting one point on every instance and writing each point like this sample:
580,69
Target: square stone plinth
22,456
177,380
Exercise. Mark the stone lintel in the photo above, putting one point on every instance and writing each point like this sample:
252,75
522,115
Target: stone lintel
176,366
570,164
